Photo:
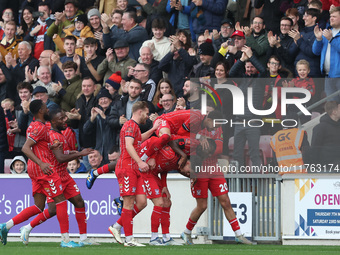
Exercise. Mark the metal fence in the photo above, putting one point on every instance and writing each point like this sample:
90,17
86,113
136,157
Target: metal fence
266,196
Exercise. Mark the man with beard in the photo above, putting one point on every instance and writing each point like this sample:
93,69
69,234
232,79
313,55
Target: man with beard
256,38
191,95
61,156
130,165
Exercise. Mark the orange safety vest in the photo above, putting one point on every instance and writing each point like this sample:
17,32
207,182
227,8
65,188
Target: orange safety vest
286,144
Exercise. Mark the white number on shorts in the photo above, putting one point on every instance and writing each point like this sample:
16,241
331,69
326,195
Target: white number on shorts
223,187
76,187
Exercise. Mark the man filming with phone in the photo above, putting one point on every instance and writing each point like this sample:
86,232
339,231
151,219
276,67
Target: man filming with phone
38,33
230,50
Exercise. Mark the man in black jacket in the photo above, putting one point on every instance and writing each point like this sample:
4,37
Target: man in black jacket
122,110
243,131
3,140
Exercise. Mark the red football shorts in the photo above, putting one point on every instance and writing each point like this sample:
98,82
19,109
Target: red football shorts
70,189
164,124
130,182
217,186
153,185
49,185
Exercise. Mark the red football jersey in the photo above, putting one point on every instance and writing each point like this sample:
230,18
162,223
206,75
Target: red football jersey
60,168
190,120
129,129
38,132
71,139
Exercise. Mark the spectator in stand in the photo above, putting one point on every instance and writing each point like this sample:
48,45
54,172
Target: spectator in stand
324,14
94,18
64,19
44,79
256,38
180,15
146,57
7,15
3,140
70,47
122,5
93,60
271,14
230,51
7,84
305,40
157,8
207,14
24,63
283,45
82,112
95,160
168,103
177,63
325,140
244,133
26,21
37,34
227,29
112,84
116,18
293,14
25,90
133,34
191,94
184,37
45,58
120,61
164,87
159,43
18,165
9,43
97,125
142,73
327,45
203,69
122,110
70,90
80,31
41,93
75,167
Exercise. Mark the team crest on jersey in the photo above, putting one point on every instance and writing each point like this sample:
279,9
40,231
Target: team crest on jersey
129,130
55,141
157,191
166,148
35,132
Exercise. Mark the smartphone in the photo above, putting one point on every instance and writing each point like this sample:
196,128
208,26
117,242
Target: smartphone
37,14
231,42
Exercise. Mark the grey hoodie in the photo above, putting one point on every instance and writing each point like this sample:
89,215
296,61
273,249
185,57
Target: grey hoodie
20,158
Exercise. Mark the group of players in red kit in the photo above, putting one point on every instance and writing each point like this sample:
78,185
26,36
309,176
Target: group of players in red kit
141,172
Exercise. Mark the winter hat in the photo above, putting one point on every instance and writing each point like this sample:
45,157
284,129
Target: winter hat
39,89
81,18
104,93
114,80
206,49
93,12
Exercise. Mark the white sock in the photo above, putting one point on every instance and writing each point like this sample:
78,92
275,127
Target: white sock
187,231
117,226
154,235
83,237
29,227
128,238
9,224
166,237
95,172
65,237
238,232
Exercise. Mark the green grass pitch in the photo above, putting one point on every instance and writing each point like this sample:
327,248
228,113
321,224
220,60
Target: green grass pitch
208,249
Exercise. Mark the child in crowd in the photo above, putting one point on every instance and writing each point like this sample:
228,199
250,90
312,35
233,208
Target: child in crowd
80,30
75,167
18,165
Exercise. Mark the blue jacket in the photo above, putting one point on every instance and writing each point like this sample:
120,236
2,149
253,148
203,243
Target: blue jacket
305,44
320,48
213,13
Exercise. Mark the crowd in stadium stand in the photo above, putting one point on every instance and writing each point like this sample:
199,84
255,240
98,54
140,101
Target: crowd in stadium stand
96,59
